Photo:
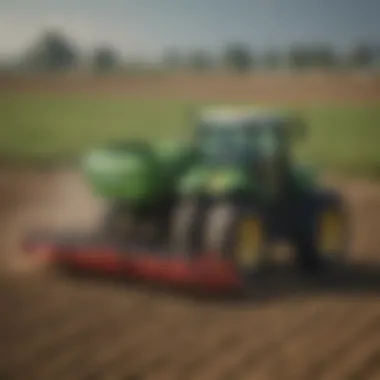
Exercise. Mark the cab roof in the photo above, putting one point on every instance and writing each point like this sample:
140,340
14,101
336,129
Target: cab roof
241,115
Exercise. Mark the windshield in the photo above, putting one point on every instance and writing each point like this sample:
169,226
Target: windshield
229,145
240,143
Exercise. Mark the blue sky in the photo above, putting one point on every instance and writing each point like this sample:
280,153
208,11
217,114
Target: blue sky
145,27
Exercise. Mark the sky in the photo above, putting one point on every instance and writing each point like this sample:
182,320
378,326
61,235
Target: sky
146,27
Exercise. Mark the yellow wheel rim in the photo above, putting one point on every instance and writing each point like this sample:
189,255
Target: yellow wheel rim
249,242
331,232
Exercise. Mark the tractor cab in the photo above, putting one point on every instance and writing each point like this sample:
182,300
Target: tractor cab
256,142
234,138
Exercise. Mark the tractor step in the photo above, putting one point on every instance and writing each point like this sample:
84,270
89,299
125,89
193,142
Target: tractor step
99,253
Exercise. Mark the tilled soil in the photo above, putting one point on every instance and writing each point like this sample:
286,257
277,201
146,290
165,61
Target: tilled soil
54,328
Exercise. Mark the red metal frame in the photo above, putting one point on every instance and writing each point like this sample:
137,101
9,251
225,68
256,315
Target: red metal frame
207,272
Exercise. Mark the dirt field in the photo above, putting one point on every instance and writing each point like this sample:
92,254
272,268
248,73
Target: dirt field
53,328
352,88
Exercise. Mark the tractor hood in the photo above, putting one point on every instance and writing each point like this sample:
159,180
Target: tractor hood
215,181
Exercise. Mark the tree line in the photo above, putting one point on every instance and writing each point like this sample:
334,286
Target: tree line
55,51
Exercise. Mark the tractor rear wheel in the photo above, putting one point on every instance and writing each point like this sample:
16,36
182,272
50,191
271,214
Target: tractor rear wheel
186,228
238,234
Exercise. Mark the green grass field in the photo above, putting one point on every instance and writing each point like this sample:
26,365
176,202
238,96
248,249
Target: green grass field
63,126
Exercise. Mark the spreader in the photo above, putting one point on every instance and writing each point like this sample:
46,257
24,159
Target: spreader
207,212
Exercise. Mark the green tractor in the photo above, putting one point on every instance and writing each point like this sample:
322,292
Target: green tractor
231,192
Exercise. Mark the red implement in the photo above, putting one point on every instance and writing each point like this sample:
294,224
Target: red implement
207,272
